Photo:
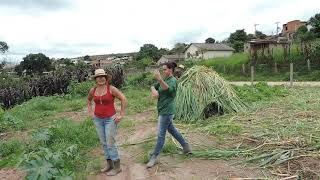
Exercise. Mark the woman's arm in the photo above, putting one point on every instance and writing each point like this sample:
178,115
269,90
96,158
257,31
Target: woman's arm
89,104
118,94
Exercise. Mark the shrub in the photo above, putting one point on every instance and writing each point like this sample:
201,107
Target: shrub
81,89
145,79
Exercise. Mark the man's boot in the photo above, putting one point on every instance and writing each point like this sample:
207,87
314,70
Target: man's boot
152,161
186,149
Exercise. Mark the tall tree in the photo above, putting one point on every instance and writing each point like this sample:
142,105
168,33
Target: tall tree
36,63
237,39
163,51
303,35
179,48
18,69
239,35
210,40
260,35
250,37
148,51
86,58
302,30
315,23
3,47
65,61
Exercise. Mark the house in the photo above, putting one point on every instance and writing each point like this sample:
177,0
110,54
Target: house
264,44
171,58
264,47
75,60
101,63
9,66
291,27
207,51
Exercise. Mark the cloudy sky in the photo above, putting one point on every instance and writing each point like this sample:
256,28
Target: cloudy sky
72,28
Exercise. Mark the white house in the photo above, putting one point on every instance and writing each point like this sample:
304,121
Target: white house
207,51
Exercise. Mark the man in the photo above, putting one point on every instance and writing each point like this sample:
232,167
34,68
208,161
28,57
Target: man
165,91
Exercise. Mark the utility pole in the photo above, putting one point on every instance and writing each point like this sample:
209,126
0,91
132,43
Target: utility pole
255,28
277,23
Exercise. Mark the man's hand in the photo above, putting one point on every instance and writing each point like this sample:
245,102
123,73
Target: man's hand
157,75
154,92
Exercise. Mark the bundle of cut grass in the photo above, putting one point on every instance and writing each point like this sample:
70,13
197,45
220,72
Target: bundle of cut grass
201,87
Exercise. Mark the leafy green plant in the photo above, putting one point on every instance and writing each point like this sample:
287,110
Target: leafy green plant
10,121
10,147
42,135
260,91
45,164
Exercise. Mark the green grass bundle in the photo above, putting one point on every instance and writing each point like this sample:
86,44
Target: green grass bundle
201,87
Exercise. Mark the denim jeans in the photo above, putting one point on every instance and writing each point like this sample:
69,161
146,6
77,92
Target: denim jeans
107,130
165,123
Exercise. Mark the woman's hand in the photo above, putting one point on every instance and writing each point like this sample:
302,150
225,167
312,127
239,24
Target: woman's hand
118,119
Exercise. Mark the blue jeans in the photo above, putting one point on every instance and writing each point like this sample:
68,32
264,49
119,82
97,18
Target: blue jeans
165,123
107,130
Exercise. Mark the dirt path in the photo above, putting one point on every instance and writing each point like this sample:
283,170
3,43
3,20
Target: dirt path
143,129
169,167
11,174
284,83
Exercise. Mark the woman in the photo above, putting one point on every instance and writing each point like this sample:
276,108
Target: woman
105,118
178,72
165,92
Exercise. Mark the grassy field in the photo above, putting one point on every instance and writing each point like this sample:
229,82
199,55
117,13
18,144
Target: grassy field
231,67
280,130
236,59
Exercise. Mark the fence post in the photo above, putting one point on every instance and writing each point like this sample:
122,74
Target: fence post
252,75
224,68
243,69
275,67
291,74
308,63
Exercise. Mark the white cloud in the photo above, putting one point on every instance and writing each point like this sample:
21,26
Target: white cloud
99,27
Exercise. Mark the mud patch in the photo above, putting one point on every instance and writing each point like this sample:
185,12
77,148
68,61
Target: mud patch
11,174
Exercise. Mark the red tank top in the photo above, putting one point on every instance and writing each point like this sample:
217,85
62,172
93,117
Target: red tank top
104,104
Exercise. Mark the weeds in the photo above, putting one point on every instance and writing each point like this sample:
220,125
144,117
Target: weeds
10,147
260,92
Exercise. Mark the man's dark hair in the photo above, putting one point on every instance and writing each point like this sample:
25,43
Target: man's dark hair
170,65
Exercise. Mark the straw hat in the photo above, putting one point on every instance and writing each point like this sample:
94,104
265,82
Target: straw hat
100,72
